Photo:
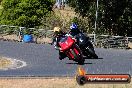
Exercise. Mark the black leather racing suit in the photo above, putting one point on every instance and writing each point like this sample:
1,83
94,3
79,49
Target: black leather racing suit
55,42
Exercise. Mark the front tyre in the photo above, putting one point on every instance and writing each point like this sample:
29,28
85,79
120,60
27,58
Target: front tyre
78,58
74,54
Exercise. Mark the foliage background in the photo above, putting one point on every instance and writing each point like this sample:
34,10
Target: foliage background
114,16
27,13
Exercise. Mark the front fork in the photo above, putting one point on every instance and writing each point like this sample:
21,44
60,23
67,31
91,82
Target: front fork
74,50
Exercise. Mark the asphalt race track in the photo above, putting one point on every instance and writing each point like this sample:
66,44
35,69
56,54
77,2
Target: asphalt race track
42,60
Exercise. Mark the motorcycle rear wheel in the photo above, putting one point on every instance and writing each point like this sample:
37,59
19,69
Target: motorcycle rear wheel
81,61
92,53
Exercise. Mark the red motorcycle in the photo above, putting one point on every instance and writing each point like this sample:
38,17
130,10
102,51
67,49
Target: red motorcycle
71,49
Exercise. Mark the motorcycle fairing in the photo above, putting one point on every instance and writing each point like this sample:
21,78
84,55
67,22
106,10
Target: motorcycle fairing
66,43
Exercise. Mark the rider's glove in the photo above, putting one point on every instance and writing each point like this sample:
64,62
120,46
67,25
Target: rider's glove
60,49
74,39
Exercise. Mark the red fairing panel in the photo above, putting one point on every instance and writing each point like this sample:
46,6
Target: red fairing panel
67,43
76,51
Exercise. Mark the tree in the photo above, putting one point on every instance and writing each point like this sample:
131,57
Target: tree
0,1
114,16
27,13
117,17
86,10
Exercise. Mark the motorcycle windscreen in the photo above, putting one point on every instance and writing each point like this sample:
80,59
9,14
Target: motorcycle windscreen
66,43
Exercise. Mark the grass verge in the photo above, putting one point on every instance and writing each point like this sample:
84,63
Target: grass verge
54,82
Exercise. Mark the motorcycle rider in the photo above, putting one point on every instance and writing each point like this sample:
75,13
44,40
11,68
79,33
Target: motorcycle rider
76,33
58,34
74,29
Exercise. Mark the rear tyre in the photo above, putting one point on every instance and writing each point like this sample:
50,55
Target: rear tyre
81,61
95,56
92,53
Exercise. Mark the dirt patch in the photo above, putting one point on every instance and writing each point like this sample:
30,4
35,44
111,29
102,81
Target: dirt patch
43,40
4,62
8,63
53,83
130,45
67,14
16,38
9,37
